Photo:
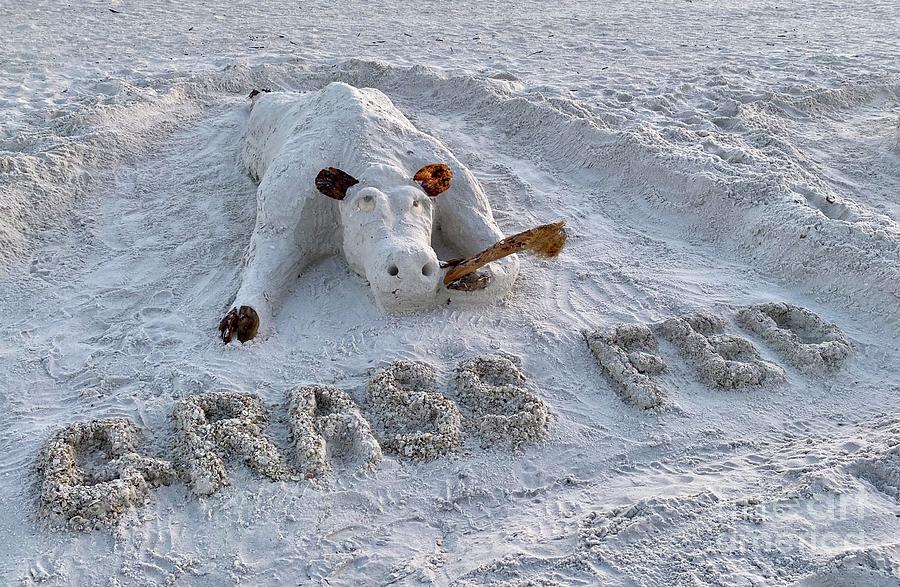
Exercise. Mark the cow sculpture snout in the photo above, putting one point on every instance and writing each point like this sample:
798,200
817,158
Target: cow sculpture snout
387,222
407,273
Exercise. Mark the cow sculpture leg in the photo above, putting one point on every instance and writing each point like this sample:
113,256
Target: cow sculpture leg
272,260
282,245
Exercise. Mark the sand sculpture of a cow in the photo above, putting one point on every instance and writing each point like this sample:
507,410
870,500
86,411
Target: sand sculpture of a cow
342,169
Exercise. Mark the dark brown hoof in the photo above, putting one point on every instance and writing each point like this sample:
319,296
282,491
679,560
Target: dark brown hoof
254,93
244,323
471,282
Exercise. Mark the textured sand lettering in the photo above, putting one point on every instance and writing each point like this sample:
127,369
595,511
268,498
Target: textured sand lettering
722,360
491,389
326,425
412,419
805,339
92,473
628,353
213,427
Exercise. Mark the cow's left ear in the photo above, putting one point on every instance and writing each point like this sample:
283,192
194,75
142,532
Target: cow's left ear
334,183
434,178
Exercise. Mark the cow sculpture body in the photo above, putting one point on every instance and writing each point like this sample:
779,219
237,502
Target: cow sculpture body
343,170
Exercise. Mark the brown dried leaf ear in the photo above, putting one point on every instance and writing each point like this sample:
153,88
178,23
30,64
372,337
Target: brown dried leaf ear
434,178
334,183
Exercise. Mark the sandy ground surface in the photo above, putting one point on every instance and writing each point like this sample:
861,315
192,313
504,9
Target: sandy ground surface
706,156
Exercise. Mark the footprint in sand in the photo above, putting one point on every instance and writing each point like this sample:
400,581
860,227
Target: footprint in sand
491,390
411,419
723,360
92,473
213,427
326,425
806,340
629,355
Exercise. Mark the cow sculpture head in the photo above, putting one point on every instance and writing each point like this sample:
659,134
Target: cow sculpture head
387,219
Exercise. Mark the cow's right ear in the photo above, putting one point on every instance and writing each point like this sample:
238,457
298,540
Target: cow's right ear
334,183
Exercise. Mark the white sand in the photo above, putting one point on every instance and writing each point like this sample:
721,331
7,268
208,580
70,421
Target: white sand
706,156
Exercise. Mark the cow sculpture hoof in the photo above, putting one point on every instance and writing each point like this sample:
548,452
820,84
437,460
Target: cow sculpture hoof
474,281
243,323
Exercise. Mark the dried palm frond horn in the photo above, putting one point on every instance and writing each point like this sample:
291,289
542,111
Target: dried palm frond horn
545,241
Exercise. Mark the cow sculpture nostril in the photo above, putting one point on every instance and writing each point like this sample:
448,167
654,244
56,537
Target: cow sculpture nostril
393,271
428,269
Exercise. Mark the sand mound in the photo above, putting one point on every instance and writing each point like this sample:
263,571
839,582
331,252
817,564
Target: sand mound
722,360
213,427
873,567
325,424
636,522
883,473
92,473
491,389
881,468
411,419
806,340
628,353
46,172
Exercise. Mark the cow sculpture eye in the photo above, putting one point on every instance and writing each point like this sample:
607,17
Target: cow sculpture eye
366,204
